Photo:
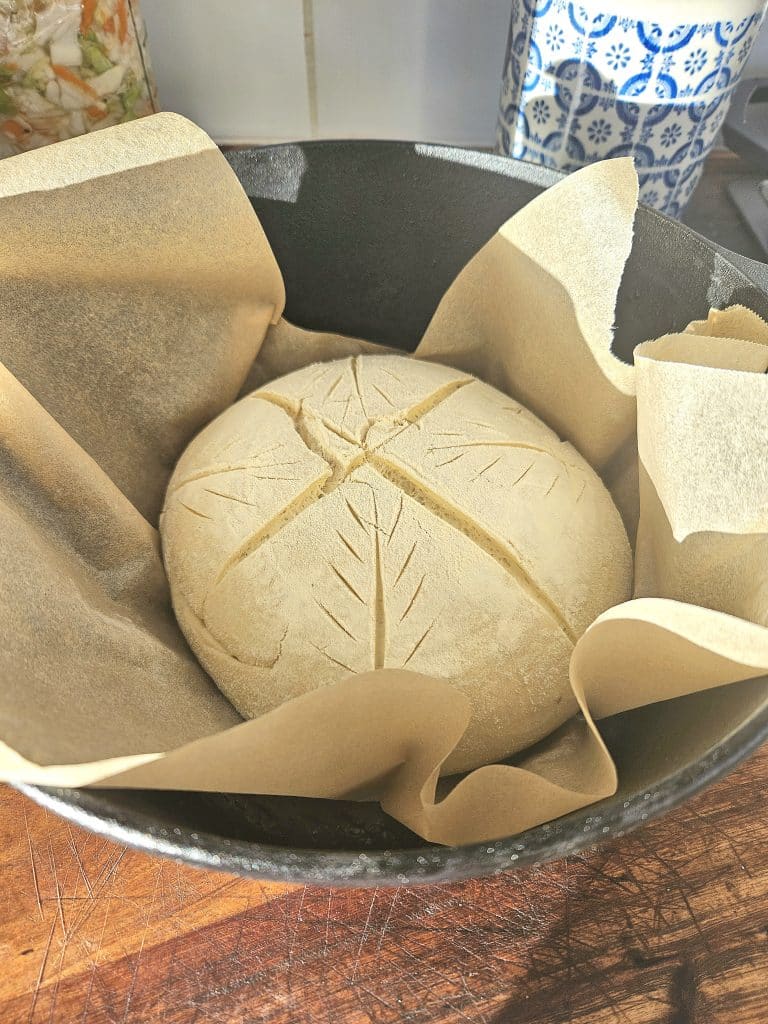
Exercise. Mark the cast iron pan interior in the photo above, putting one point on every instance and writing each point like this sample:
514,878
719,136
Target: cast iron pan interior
368,236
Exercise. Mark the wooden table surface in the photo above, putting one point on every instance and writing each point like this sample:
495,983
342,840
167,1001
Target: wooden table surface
666,926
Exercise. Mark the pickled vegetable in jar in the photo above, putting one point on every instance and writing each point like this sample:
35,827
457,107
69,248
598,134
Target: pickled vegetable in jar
68,67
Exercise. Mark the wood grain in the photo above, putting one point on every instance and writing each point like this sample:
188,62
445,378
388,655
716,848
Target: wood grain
667,926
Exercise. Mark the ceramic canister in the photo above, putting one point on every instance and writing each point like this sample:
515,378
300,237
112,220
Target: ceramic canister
650,78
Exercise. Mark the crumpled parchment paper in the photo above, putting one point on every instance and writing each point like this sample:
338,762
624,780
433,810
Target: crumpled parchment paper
139,296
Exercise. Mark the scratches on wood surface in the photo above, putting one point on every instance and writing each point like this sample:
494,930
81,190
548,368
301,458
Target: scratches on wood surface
35,882
76,855
144,931
364,935
667,926
40,974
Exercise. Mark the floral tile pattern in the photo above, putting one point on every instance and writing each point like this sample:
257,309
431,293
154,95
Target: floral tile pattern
580,85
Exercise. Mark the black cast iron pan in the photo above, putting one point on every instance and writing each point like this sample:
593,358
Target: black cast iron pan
368,236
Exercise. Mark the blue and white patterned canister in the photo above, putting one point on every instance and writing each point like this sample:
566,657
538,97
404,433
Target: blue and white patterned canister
647,78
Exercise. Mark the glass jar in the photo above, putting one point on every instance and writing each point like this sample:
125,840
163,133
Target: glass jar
68,67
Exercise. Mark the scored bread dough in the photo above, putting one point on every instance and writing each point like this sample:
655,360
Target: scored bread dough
385,512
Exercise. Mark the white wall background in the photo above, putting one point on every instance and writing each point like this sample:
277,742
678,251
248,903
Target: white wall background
274,70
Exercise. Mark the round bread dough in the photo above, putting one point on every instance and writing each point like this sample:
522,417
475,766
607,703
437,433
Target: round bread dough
385,512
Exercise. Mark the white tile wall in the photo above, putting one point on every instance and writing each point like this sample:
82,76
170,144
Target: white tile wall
414,69
236,67
757,65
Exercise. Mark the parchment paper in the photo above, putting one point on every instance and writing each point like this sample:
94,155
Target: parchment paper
139,297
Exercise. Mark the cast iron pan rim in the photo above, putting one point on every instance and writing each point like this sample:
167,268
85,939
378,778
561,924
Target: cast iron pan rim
525,170
560,838
508,167
423,864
